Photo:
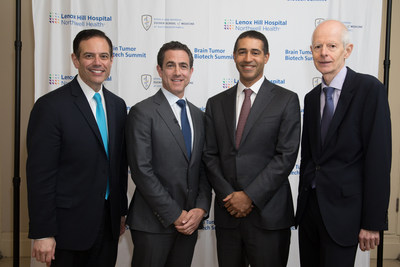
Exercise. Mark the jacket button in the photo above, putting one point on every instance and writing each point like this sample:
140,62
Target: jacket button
317,168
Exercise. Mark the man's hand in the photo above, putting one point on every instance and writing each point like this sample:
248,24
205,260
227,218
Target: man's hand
368,239
180,220
238,204
122,227
191,221
44,249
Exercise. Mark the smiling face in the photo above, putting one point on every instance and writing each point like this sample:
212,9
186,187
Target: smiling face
175,71
93,61
250,60
328,49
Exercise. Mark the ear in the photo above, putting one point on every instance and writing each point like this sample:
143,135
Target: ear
266,58
348,50
75,60
159,70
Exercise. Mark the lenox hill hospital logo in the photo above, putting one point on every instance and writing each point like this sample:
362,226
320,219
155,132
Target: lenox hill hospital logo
255,24
56,79
82,20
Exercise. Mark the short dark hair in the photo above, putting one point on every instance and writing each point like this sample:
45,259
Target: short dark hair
86,35
254,35
173,45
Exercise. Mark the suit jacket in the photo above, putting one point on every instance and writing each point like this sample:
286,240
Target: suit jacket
265,157
352,168
67,167
166,180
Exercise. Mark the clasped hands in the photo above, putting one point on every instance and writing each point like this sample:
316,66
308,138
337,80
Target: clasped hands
238,204
189,221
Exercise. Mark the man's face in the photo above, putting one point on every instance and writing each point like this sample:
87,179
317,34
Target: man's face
328,51
250,60
175,71
94,62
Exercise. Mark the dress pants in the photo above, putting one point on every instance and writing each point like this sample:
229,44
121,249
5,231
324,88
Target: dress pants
317,248
248,244
103,253
162,250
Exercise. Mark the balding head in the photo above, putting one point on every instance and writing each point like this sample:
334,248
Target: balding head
330,47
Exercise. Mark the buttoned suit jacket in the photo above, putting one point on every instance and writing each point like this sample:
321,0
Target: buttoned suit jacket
352,168
166,180
265,157
67,167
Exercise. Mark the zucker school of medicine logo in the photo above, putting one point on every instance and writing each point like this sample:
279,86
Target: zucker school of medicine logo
146,81
316,81
146,21
318,21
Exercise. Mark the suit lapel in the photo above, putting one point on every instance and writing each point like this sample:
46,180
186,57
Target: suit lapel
197,122
110,109
83,105
229,110
314,115
263,98
166,113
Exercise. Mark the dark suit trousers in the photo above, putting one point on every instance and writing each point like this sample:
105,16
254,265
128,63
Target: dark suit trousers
248,244
103,253
317,248
162,250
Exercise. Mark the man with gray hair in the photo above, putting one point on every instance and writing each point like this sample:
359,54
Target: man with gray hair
345,157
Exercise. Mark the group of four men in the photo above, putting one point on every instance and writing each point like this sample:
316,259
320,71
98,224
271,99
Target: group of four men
244,147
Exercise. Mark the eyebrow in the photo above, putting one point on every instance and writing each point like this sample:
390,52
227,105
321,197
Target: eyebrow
179,63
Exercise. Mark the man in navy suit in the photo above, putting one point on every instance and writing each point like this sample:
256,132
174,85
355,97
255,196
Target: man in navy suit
345,157
76,167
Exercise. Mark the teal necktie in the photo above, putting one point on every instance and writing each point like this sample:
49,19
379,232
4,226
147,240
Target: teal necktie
101,122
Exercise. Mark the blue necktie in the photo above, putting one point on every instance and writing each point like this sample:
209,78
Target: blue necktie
327,113
187,134
101,122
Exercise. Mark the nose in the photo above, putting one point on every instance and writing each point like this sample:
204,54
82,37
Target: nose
177,71
324,50
247,57
97,60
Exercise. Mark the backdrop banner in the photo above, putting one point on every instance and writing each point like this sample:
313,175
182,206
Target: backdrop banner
139,28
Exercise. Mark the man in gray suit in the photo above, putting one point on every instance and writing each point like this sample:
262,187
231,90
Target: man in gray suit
165,139
252,140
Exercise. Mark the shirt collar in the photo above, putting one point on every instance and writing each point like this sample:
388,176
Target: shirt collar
255,87
338,81
87,90
171,98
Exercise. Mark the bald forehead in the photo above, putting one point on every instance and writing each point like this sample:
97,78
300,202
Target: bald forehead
330,26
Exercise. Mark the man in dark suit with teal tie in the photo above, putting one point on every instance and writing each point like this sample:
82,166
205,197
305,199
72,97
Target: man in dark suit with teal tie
76,167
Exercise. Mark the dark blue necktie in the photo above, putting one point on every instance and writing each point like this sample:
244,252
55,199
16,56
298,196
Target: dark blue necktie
185,126
101,122
327,113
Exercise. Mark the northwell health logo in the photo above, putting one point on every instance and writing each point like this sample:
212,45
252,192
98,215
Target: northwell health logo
255,24
228,82
57,79
82,20
54,18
